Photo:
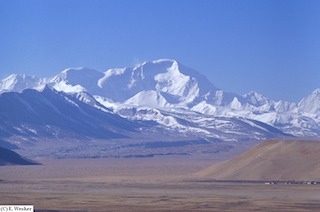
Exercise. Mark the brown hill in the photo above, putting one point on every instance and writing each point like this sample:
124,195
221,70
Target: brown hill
271,160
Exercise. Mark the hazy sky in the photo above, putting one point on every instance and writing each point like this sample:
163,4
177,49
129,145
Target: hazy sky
272,47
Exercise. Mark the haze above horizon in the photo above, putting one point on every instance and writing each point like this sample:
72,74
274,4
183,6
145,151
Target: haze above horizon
272,47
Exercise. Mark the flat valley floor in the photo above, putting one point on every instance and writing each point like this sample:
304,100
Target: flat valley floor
163,183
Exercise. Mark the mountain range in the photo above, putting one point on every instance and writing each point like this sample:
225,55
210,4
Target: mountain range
161,97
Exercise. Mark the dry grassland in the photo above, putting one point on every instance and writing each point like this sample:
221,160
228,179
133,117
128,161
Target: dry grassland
145,184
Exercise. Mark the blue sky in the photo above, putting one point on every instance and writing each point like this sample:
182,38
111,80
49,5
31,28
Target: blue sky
272,47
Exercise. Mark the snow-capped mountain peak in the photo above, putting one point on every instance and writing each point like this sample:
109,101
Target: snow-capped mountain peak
73,80
311,103
20,82
177,84
256,99
78,75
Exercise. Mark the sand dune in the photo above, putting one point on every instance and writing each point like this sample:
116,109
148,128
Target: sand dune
271,160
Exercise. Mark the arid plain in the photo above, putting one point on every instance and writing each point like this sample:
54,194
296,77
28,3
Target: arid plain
163,183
